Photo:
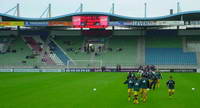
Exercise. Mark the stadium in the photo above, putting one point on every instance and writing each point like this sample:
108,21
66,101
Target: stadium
97,43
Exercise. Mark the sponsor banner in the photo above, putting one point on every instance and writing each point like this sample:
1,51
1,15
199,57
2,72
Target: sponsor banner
183,70
93,70
26,70
6,70
12,23
192,22
29,23
115,70
128,23
121,23
78,70
158,23
144,23
5,23
115,23
16,23
52,70
59,23
129,70
164,70
170,23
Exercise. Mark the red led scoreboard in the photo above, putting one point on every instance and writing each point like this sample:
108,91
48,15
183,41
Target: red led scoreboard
90,21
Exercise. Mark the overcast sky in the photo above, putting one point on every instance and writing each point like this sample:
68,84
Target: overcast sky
135,8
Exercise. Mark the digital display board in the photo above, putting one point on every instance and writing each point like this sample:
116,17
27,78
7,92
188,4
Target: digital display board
90,21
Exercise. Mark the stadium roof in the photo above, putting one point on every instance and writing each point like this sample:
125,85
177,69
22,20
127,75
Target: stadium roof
187,16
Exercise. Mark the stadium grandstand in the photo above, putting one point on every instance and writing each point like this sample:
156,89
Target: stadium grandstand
96,39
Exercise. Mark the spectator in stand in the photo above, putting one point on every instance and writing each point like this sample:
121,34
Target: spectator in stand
24,62
40,49
45,53
99,48
96,54
85,49
119,49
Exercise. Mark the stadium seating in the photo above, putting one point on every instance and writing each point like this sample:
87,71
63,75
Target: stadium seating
193,44
4,41
33,44
163,42
36,47
158,51
169,56
16,58
167,51
126,57
76,43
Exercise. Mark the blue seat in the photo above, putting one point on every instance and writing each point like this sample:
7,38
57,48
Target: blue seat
169,56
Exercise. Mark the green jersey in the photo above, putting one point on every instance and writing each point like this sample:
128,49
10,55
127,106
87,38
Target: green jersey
130,82
158,75
136,85
171,84
144,83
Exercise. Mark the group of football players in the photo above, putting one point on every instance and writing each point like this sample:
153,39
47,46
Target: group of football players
147,78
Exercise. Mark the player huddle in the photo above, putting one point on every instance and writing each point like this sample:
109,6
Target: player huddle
144,80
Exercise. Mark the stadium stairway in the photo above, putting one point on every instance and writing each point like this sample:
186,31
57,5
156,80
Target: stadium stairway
59,52
34,45
56,59
52,55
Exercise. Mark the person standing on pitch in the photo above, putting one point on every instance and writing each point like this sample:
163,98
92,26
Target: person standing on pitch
136,90
144,85
159,76
171,86
154,81
130,83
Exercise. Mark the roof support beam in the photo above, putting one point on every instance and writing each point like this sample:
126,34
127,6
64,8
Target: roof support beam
178,7
145,9
47,12
18,13
113,8
16,10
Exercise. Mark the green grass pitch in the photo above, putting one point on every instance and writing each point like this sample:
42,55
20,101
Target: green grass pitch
75,90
